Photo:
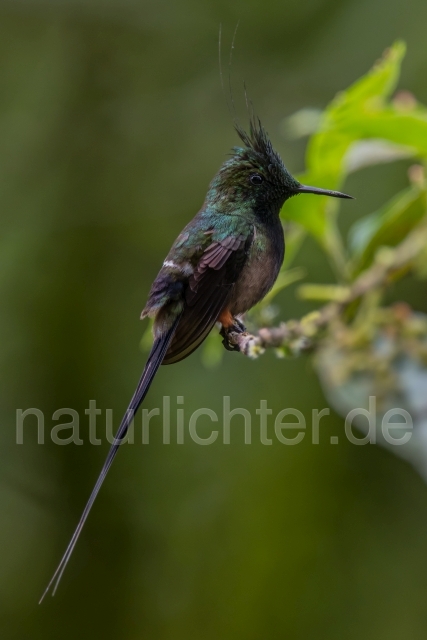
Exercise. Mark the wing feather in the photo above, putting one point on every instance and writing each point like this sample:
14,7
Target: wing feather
209,289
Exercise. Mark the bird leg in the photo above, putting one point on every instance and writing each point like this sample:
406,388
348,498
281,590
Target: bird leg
230,324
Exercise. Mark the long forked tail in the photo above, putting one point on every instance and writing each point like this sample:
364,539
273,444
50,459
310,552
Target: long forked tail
155,359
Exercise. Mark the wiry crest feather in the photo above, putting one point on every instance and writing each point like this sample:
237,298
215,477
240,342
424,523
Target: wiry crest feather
258,141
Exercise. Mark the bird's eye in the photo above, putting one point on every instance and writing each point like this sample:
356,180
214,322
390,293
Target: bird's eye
256,178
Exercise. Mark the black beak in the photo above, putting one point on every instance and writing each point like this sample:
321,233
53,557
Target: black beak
322,192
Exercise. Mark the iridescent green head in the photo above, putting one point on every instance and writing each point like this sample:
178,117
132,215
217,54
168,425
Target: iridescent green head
256,178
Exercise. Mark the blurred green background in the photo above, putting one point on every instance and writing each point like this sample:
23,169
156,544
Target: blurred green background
112,123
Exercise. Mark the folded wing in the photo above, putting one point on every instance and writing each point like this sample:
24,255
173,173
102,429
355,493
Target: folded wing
207,294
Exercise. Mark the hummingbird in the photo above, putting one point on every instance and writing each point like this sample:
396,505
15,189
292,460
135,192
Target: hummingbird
223,263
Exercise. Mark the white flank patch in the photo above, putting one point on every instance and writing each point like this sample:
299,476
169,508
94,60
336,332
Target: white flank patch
185,268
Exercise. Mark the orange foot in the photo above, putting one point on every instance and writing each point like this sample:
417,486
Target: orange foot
229,325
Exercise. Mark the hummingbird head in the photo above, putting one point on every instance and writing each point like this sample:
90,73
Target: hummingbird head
255,177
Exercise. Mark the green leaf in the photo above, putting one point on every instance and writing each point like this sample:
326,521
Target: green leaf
407,129
366,153
324,292
302,123
386,227
378,83
354,114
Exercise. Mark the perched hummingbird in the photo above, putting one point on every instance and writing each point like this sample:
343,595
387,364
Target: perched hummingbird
224,262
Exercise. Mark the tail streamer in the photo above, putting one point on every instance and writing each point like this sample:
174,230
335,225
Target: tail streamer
154,361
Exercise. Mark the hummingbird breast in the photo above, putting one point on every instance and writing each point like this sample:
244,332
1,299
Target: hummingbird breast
261,268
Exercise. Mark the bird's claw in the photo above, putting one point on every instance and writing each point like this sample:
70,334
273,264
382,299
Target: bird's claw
237,327
228,345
